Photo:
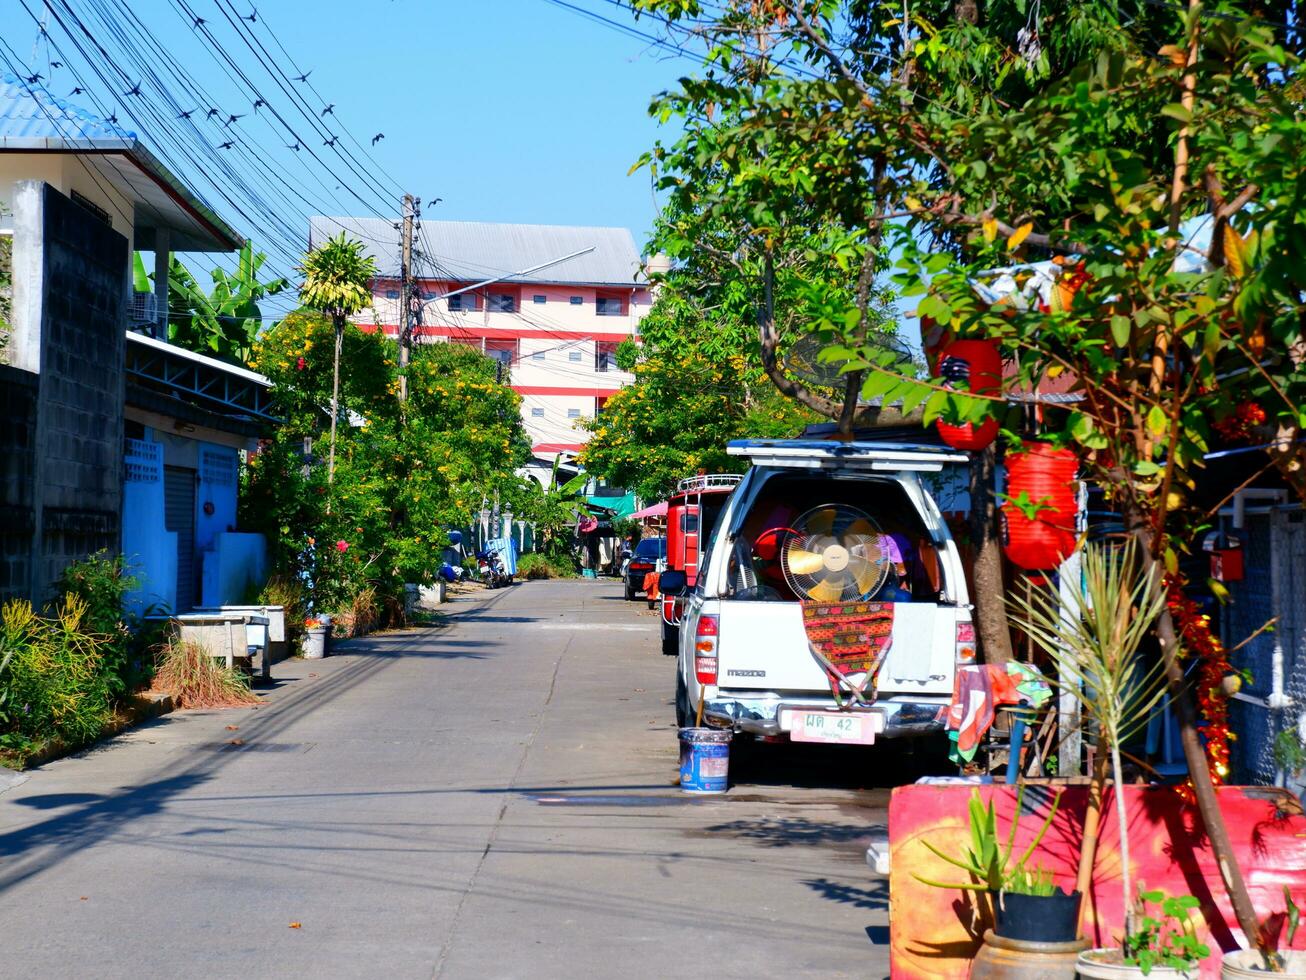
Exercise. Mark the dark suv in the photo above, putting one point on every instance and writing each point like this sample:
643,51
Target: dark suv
650,556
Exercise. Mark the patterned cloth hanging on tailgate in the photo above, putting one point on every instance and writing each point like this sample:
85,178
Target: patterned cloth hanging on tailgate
850,638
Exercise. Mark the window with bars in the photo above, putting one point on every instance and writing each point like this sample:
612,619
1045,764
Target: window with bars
502,303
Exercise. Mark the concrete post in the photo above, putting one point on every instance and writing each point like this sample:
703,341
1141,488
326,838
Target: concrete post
28,275
162,260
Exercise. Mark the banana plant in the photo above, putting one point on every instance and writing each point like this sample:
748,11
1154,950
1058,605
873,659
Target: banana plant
225,321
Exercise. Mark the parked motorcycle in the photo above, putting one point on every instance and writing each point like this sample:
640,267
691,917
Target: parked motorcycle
493,572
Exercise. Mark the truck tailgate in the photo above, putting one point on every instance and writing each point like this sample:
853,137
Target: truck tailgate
763,646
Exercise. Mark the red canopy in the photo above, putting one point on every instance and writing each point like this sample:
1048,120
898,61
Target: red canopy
657,510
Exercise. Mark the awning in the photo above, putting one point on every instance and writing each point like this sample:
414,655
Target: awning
618,506
657,510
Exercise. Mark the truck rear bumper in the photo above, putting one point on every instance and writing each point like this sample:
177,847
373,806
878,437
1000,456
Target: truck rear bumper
760,714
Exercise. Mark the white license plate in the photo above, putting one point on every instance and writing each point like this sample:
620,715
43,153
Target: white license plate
834,726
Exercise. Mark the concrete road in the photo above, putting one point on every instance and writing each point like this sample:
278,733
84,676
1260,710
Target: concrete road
493,798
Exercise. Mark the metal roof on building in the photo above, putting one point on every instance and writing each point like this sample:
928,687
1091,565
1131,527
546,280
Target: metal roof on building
470,251
34,120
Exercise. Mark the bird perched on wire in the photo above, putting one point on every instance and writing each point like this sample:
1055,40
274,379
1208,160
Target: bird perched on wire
226,146
331,142
304,77
258,103
113,119
134,90
253,15
293,146
200,21
329,110
378,138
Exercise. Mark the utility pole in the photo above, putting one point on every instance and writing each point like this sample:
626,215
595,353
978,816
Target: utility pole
405,294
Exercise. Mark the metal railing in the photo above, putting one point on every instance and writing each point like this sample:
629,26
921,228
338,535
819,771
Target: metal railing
709,481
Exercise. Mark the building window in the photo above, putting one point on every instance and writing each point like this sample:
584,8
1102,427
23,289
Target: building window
605,356
599,404
502,302
540,298
609,306
573,356
538,356
503,351
392,294
573,413
577,300
463,301
537,413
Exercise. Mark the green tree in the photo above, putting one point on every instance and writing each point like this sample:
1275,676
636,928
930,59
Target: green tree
400,479
337,282
225,321
1098,159
697,386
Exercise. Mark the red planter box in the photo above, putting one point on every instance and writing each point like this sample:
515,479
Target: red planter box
931,929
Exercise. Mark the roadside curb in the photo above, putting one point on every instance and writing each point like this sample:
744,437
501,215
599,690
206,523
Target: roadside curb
139,708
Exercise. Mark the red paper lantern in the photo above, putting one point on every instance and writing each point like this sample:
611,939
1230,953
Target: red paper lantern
978,364
1034,545
1045,477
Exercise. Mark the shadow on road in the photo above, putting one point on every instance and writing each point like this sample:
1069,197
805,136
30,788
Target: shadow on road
874,897
792,831
808,766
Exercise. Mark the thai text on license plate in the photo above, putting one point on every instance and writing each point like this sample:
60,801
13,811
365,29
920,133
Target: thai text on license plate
834,726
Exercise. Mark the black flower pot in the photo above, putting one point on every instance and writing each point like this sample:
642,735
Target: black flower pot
1038,918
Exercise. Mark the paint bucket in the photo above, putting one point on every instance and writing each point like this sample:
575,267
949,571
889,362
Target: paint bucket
704,760
588,573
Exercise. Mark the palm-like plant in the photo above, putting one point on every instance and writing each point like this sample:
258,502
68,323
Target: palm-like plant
1094,637
337,282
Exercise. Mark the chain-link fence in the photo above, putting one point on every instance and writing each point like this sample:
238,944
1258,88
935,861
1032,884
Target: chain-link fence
1274,585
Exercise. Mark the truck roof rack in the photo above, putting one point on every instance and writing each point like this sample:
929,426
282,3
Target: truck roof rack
822,454
708,481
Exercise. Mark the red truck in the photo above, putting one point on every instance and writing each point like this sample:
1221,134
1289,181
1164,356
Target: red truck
692,513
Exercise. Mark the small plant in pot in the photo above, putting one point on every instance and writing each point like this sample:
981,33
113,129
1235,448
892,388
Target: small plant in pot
1032,907
1162,945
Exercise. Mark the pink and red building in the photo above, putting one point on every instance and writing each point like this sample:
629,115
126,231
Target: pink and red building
555,330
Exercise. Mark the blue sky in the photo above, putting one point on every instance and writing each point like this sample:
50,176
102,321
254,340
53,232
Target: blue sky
507,110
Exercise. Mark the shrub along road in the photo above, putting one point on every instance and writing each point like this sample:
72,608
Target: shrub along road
493,798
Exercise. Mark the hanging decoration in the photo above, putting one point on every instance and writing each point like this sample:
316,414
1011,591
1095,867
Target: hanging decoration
1213,667
1038,520
976,366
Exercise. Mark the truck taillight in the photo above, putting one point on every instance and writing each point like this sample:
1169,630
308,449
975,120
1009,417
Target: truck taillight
705,637
965,643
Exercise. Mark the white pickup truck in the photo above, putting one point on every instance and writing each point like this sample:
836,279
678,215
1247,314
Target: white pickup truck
744,647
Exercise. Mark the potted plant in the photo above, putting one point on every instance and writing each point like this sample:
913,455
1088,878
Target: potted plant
1094,636
1290,964
315,637
1163,946
1032,907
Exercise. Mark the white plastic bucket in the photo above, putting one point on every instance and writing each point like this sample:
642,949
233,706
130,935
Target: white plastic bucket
1247,964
